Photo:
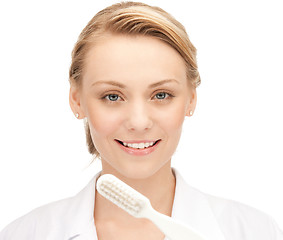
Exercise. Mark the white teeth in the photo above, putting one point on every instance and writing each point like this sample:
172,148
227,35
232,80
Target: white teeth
135,145
138,145
147,144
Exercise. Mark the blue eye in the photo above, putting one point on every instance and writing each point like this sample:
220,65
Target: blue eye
112,97
161,95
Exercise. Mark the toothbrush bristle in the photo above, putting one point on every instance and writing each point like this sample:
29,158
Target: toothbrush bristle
120,194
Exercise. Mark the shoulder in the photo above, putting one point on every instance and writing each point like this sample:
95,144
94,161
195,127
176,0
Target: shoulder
235,220
38,222
240,221
55,220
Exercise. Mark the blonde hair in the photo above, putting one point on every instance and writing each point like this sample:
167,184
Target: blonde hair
132,18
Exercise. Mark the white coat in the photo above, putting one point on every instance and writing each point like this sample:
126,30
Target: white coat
216,218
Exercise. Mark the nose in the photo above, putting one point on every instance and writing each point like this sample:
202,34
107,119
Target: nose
138,117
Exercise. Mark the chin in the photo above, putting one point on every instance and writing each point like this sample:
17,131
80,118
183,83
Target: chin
136,170
138,174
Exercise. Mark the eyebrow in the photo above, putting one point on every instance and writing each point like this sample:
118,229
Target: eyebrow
117,84
163,82
120,85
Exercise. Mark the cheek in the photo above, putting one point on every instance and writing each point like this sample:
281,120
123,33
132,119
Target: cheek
103,123
172,119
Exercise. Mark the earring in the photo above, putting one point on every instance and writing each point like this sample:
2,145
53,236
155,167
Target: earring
77,115
191,113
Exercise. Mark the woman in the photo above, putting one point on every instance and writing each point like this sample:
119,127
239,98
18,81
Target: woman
133,79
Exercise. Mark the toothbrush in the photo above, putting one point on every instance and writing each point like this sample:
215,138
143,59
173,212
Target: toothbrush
139,206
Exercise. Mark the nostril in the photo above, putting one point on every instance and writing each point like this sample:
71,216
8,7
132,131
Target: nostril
138,120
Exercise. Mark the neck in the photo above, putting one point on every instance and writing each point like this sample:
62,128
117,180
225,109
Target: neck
159,188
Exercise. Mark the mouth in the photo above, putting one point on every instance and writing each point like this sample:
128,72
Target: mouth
139,144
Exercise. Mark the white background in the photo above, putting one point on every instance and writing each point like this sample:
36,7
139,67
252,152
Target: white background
231,147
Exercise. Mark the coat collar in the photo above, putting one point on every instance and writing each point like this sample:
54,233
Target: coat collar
190,206
82,226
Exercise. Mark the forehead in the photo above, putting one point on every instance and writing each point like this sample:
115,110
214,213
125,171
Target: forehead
129,58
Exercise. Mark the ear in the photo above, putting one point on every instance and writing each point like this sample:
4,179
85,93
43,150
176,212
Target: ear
192,103
75,101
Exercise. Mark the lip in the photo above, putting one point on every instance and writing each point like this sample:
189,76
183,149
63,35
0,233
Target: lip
139,152
137,141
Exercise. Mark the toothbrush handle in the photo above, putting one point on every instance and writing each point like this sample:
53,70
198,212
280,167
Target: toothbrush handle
173,229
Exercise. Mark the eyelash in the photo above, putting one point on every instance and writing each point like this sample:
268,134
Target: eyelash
108,95
168,96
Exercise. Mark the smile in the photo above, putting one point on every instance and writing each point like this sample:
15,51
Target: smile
138,147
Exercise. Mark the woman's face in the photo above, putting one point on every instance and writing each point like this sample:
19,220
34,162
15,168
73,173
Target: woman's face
135,96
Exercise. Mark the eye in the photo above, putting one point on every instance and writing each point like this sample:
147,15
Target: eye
112,97
162,95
